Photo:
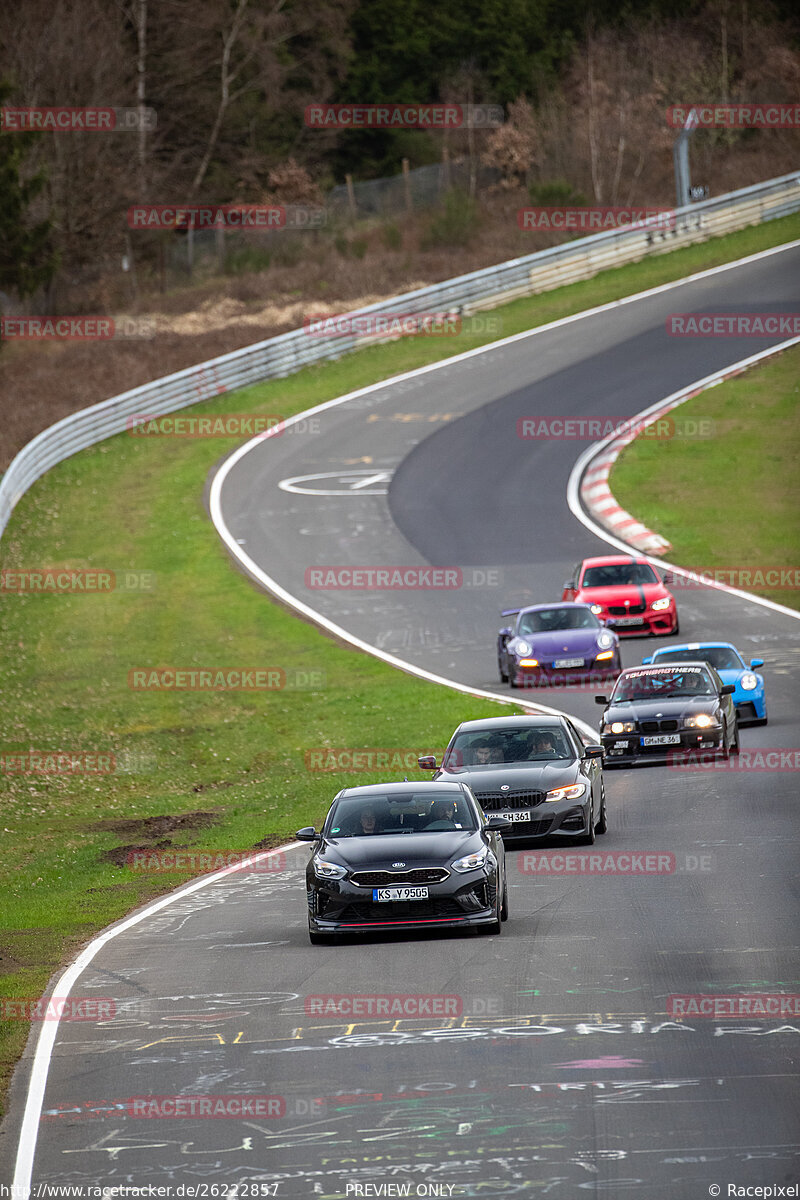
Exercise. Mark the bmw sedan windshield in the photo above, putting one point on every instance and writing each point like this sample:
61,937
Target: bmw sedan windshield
515,745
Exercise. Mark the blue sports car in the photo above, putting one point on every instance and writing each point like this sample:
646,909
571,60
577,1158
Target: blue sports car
556,644
748,695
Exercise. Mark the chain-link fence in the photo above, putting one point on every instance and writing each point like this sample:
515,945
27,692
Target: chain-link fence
421,187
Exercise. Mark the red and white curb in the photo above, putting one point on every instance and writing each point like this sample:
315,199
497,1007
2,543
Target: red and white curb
595,492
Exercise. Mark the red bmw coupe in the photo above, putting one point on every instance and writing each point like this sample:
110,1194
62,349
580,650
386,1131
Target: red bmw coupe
626,592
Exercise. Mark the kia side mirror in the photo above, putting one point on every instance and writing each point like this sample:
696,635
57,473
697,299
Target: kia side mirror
427,762
727,689
593,751
601,699
307,834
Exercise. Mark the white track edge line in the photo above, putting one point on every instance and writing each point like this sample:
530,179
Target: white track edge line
44,1046
676,398
39,1069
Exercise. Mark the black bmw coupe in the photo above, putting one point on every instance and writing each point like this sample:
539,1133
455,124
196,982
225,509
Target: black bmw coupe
405,856
659,713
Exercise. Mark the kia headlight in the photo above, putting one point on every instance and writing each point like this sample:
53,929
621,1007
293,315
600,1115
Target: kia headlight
328,870
471,862
573,792
658,605
749,681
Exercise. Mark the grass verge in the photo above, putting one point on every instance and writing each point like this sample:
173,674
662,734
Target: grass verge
729,502
203,770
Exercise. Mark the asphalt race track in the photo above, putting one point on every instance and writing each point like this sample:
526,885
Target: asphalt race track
560,1073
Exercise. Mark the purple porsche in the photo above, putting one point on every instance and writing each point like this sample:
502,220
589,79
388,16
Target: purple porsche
552,644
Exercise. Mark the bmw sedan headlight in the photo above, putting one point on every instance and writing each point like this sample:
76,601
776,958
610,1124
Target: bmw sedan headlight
749,681
523,648
620,727
328,870
573,792
701,721
471,862
657,605
597,609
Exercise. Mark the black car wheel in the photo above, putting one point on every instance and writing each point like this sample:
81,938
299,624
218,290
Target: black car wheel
602,824
588,837
726,746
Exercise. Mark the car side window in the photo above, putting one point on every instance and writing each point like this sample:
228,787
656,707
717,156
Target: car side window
576,573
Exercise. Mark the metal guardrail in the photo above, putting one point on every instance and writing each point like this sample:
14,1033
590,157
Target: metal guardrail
289,352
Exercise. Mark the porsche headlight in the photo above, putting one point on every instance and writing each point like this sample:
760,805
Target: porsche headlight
573,792
657,605
620,727
529,662
604,640
328,870
749,681
523,648
471,862
605,654
701,721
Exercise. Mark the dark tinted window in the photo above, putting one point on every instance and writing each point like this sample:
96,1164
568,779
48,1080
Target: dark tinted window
525,743
400,812
618,574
